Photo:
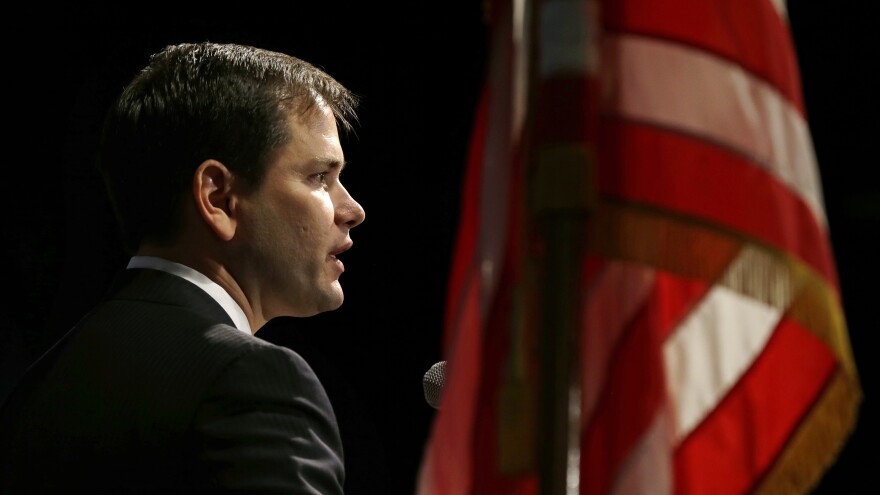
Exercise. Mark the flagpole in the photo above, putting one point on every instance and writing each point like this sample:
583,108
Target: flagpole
557,355
559,194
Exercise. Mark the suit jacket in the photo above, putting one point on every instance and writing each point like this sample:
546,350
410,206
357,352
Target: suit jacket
155,391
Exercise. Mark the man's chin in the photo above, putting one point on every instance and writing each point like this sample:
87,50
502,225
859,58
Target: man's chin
320,304
334,299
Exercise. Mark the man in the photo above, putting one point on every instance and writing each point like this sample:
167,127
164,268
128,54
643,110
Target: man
223,164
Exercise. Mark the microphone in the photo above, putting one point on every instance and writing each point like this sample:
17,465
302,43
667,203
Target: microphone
433,382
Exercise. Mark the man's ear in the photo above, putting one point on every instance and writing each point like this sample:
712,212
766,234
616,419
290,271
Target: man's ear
212,190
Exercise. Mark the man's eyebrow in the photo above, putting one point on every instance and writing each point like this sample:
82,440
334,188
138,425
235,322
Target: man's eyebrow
331,163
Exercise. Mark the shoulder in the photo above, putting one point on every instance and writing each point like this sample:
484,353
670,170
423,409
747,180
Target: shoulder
259,370
268,400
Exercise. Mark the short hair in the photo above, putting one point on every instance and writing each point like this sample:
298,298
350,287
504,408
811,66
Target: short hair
200,101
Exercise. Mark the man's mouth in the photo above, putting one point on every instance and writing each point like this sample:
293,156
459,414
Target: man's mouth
341,249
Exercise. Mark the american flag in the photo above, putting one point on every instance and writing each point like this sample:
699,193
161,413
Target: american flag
643,297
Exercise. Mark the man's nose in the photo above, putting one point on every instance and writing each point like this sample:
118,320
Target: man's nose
349,211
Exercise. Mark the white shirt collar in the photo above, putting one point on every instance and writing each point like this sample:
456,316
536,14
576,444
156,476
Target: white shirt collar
212,288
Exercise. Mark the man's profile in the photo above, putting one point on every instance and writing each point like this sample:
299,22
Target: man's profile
222,163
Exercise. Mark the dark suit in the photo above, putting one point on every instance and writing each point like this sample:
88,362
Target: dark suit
156,392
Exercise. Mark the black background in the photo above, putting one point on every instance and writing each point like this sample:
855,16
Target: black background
418,69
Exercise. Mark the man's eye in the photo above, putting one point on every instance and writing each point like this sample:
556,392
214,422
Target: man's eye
322,177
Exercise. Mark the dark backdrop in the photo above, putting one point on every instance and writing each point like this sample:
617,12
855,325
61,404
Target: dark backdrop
418,69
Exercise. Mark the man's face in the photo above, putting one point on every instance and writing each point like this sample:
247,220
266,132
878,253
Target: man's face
297,222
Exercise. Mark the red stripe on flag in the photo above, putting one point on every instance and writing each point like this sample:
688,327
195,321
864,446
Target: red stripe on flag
464,256
677,297
732,448
748,32
695,178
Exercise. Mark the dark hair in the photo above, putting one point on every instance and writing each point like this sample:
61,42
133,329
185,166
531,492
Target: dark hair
199,101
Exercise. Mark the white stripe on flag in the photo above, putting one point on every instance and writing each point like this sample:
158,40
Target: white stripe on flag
711,349
682,88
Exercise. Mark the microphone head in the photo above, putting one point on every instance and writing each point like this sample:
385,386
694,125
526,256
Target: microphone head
433,383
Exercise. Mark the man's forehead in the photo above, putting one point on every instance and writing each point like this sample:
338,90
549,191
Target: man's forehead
316,115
